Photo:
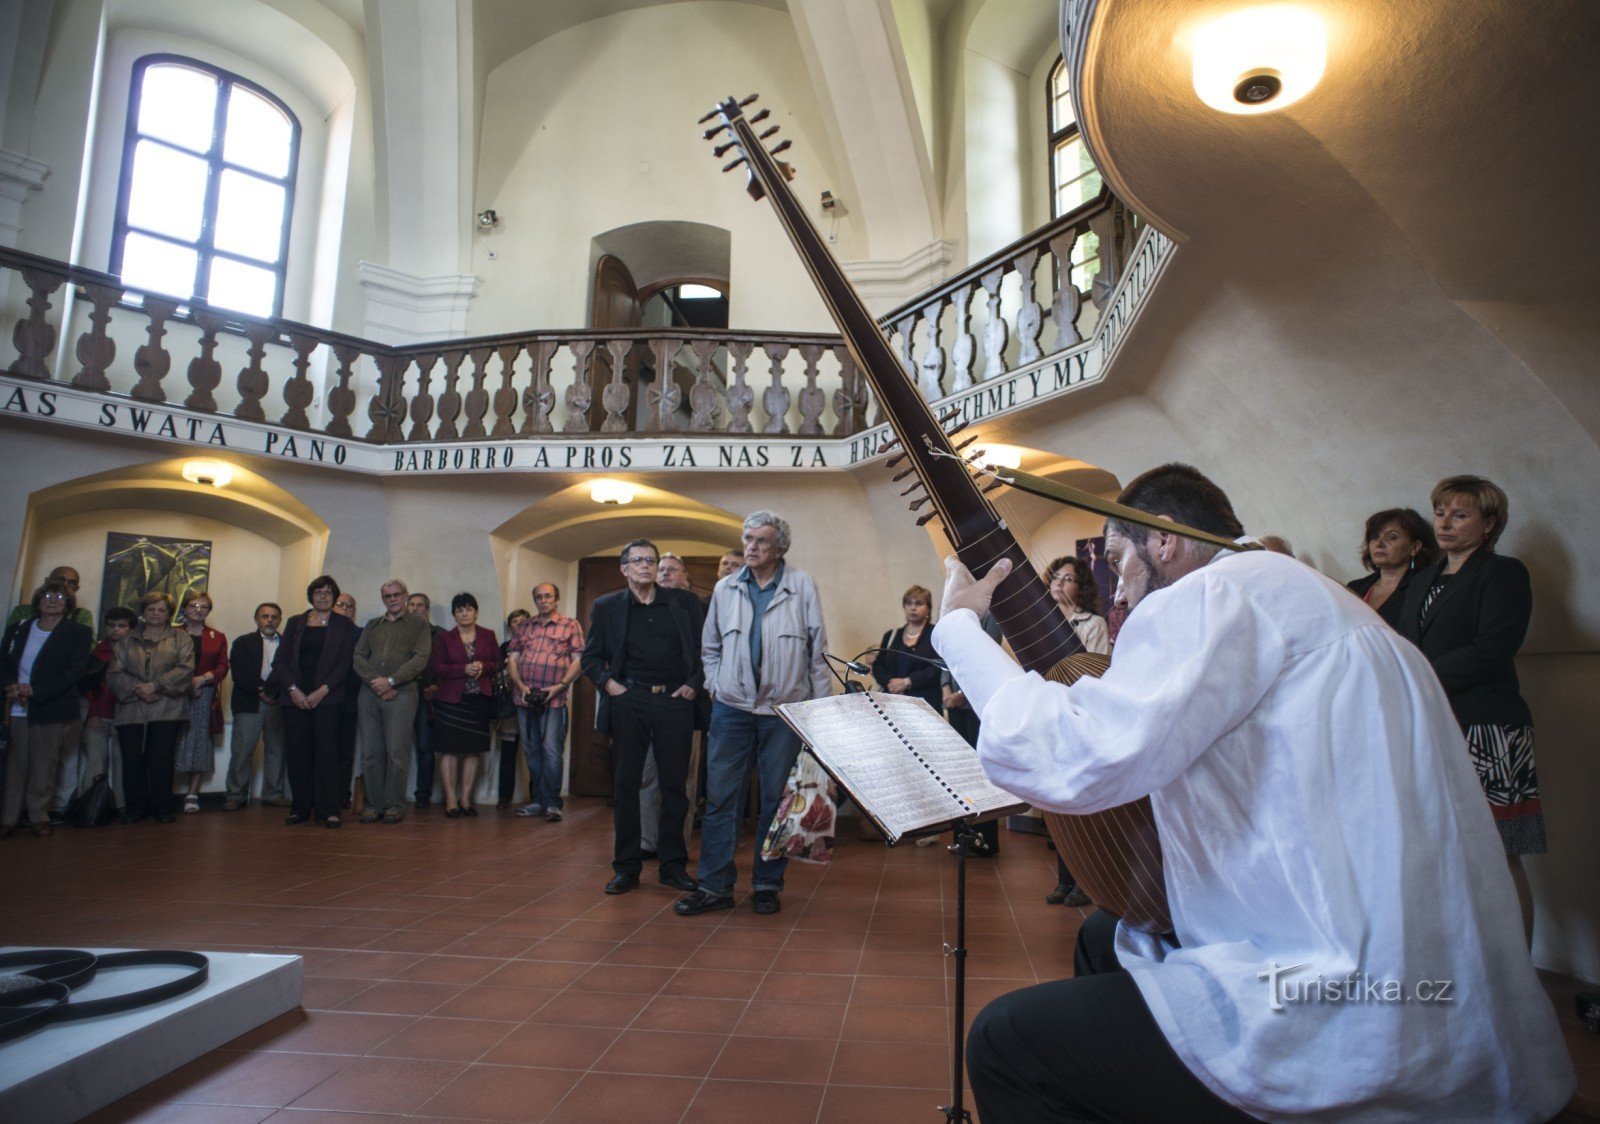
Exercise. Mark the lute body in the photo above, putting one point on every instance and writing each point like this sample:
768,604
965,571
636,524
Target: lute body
1115,855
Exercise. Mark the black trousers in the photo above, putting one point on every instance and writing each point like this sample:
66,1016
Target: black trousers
1084,1049
311,752
149,753
509,752
640,719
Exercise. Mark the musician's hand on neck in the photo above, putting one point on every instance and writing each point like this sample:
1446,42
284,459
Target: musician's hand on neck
963,591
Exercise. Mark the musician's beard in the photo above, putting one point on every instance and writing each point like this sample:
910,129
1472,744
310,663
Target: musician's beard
1154,578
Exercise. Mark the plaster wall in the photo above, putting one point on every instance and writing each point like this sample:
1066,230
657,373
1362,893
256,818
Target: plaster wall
614,101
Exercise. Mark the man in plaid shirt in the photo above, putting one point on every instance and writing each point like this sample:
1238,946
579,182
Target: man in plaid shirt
545,652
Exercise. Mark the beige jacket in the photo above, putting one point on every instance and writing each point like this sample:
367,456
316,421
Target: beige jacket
168,662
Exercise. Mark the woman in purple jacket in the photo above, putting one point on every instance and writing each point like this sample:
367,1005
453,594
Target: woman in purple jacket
463,664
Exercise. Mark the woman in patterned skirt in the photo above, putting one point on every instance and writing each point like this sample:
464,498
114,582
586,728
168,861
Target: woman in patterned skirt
463,664
197,754
1468,613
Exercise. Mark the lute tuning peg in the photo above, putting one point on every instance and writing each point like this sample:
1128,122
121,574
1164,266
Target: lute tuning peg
928,518
773,131
721,148
782,146
732,164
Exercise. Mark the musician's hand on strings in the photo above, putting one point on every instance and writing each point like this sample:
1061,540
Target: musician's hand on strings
963,591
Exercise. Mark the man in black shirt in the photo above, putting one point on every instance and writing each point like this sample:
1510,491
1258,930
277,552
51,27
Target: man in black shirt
643,656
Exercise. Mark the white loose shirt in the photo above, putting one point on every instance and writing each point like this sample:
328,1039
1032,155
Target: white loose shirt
1318,815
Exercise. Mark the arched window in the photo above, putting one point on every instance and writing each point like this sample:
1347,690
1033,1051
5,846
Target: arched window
1074,180
207,189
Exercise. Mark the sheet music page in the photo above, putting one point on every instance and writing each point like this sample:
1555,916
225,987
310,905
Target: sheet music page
849,734
947,752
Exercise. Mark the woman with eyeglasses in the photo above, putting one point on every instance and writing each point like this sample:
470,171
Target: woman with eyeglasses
151,676
41,661
463,664
311,667
197,754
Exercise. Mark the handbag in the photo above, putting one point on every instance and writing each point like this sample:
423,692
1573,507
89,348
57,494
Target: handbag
505,705
803,826
95,806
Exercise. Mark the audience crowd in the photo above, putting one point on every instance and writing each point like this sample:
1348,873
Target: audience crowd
686,687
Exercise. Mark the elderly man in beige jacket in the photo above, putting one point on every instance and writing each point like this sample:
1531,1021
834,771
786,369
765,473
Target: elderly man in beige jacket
763,644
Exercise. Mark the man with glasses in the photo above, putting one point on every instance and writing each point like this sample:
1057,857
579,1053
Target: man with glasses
390,655
257,717
544,657
763,644
643,656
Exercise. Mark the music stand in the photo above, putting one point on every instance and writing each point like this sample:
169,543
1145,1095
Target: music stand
955,1111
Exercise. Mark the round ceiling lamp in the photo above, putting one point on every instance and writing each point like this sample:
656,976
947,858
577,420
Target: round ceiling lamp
213,474
613,492
1259,60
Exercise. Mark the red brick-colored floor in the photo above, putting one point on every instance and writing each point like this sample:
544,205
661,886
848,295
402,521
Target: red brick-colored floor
473,970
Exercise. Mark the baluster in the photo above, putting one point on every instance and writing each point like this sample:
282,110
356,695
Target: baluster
540,397
905,332
1107,228
152,361
994,332
1068,301
95,349
478,397
932,366
253,381
298,391
342,399
505,399
740,397
205,372
665,396
775,399
812,400
850,400
579,396
962,349
1031,317
388,407
450,401
35,336
617,393
422,402
703,394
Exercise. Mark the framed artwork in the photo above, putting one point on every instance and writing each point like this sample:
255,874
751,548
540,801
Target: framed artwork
139,564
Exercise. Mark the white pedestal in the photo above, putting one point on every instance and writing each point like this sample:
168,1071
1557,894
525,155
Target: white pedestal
64,1071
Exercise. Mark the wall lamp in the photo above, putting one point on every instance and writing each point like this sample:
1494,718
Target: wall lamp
487,220
613,492
213,474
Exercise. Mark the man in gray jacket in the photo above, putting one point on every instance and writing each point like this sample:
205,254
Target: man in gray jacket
763,644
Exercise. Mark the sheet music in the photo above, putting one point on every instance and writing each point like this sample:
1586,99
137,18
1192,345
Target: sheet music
898,758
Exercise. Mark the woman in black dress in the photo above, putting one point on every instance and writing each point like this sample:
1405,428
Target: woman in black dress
1397,544
906,663
1469,613
310,669
463,664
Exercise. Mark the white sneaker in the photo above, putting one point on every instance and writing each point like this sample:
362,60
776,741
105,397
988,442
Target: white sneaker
191,803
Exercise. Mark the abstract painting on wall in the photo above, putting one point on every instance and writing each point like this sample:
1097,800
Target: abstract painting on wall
139,564
1093,551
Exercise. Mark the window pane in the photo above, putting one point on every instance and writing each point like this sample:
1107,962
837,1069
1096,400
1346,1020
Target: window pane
1085,261
258,134
1060,98
162,267
179,105
249,216
244,288
1077,179
168,193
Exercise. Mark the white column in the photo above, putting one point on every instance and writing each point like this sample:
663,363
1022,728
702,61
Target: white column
19,176
403,308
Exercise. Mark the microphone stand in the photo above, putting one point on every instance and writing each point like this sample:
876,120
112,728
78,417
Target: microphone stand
965,838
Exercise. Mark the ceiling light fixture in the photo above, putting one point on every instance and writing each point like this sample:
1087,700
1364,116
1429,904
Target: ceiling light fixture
1002,456
213,474
1258,60
613,492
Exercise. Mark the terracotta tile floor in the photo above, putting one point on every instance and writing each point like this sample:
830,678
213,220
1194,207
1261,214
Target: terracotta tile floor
473,970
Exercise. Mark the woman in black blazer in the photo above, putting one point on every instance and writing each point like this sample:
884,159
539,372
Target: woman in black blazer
44,656
906,663
310,669
1398,543
1469,613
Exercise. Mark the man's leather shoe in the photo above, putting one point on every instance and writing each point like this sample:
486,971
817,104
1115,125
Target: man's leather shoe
679,880
622,883
701,901
766,901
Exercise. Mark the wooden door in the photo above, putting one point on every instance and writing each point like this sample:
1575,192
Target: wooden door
615,304
591,751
